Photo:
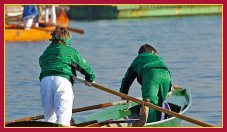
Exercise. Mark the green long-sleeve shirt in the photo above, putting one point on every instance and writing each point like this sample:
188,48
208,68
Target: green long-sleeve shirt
138,68
62,60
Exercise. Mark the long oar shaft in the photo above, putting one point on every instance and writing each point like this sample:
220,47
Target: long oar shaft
92,107
80,31
37,28
27,119
98,106
148,104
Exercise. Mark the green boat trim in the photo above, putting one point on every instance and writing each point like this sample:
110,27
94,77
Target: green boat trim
173,121
138,11
180,101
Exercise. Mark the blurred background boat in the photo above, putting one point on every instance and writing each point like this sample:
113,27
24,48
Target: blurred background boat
93,12
14,32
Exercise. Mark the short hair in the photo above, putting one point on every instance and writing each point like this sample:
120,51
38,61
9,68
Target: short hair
147,48
59,34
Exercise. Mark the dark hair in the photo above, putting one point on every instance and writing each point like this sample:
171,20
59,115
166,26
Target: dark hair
147,48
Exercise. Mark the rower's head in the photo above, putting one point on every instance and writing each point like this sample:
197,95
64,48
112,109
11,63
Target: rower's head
61,36
147,48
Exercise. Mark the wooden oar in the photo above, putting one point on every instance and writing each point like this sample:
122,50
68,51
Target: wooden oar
147,104
104,105
18,26
92,107
80,31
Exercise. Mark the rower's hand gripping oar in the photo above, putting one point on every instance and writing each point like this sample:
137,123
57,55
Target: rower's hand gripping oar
147,104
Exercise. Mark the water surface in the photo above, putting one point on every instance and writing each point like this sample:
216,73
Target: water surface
191,47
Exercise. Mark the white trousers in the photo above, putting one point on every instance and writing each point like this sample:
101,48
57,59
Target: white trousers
28,23
57,99
53,15
46,15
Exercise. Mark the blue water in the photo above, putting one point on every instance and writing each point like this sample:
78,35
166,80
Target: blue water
191,46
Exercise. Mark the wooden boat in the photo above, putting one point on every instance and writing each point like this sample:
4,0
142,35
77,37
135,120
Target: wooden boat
123,115
14,33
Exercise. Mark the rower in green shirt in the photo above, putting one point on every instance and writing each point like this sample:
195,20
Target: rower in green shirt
59,63
153,75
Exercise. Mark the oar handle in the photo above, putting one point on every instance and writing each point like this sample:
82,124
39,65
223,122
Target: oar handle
148,104
80,31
